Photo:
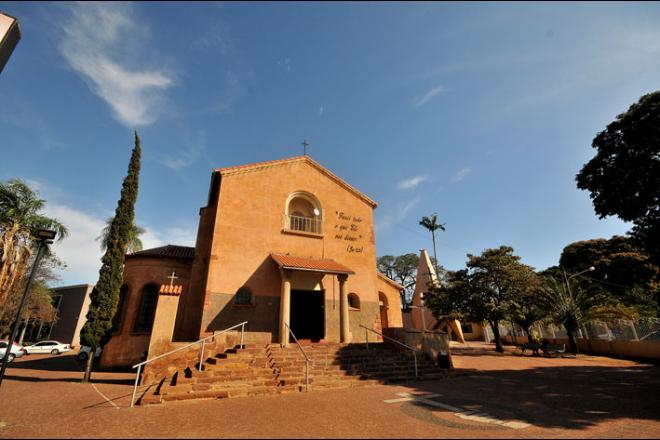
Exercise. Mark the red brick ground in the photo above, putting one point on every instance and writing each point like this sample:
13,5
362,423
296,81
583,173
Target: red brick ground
579,398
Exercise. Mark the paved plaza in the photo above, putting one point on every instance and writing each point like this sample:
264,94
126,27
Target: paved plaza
501,396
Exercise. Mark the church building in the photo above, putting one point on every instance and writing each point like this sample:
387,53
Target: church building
284,244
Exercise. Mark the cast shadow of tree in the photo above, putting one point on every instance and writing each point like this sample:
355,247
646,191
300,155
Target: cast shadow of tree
569,397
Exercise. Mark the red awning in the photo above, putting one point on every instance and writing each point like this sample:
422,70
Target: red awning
311,264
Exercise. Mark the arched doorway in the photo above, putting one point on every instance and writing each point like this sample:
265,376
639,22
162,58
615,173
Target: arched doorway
382,301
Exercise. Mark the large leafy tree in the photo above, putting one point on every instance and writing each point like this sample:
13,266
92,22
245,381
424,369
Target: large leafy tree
493,285
498,279
133,244
620,268
624,176
105,296
402,269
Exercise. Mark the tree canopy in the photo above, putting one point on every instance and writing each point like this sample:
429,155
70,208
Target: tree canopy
624,176
622,268
105,296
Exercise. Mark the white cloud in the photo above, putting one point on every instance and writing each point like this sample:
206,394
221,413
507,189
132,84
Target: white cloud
398,214
426,97
461,174
413,182
80,250
93,37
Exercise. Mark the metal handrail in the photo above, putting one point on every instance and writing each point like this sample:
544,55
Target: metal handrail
304,354
201,355
366,334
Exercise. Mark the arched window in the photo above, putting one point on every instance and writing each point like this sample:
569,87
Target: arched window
147,311
303,213
353,301
243,297
118,320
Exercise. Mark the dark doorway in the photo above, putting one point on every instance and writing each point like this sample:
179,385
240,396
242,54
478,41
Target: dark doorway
308,314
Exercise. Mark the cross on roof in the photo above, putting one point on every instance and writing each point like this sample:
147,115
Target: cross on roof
305,144
172,278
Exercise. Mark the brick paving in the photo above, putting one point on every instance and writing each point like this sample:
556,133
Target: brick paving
506,397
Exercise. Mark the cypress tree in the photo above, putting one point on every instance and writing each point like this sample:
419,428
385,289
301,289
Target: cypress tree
105,296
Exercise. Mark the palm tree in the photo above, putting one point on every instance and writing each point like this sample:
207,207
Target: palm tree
20,218
432,225
134,244
571,305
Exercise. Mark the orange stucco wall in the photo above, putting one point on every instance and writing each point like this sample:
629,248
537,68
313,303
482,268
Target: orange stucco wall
126,346
248,226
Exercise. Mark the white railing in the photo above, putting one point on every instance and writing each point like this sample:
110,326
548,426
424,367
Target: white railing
304,354
303,224
201,354
366,338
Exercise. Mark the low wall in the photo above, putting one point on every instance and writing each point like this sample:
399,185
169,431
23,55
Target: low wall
430,343
632,349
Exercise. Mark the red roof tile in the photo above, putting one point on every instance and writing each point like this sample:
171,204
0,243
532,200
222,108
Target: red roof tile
169,251
166,289
311,264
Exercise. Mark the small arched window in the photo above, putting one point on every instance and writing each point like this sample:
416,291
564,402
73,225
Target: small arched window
303,213
353,301
147,311
244,297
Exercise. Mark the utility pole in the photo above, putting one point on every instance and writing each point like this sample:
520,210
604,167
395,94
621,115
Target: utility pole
45,238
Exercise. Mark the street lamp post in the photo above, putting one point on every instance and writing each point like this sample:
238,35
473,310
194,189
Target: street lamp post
45,238
568,284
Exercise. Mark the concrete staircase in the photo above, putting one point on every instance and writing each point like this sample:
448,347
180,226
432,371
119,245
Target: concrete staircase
271,369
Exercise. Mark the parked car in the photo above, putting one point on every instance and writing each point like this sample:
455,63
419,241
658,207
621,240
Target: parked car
47,347
16,351
83,353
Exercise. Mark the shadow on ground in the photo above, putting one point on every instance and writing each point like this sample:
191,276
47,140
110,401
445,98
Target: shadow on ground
568,397
55,364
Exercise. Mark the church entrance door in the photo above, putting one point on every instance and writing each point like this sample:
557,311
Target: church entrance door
308,314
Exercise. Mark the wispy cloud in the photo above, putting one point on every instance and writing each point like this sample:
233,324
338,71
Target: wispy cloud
398,214
426,97
81,251
413,182
461,174
187,155
93,37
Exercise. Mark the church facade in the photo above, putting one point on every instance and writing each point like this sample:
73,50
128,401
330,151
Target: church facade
282,245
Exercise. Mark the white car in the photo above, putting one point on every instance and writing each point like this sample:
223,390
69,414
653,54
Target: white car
47,347
16,351
84,351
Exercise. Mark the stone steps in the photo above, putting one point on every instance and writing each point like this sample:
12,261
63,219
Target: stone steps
265,369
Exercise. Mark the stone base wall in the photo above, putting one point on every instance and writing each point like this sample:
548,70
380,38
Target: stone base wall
432,344
631,349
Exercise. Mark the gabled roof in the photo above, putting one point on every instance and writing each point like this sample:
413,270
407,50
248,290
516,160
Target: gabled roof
239,169
324,265
169,251
390,281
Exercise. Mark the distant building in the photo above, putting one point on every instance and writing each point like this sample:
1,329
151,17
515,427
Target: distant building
72,304
10,33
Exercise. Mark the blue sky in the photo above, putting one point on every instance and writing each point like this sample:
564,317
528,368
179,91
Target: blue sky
480,112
